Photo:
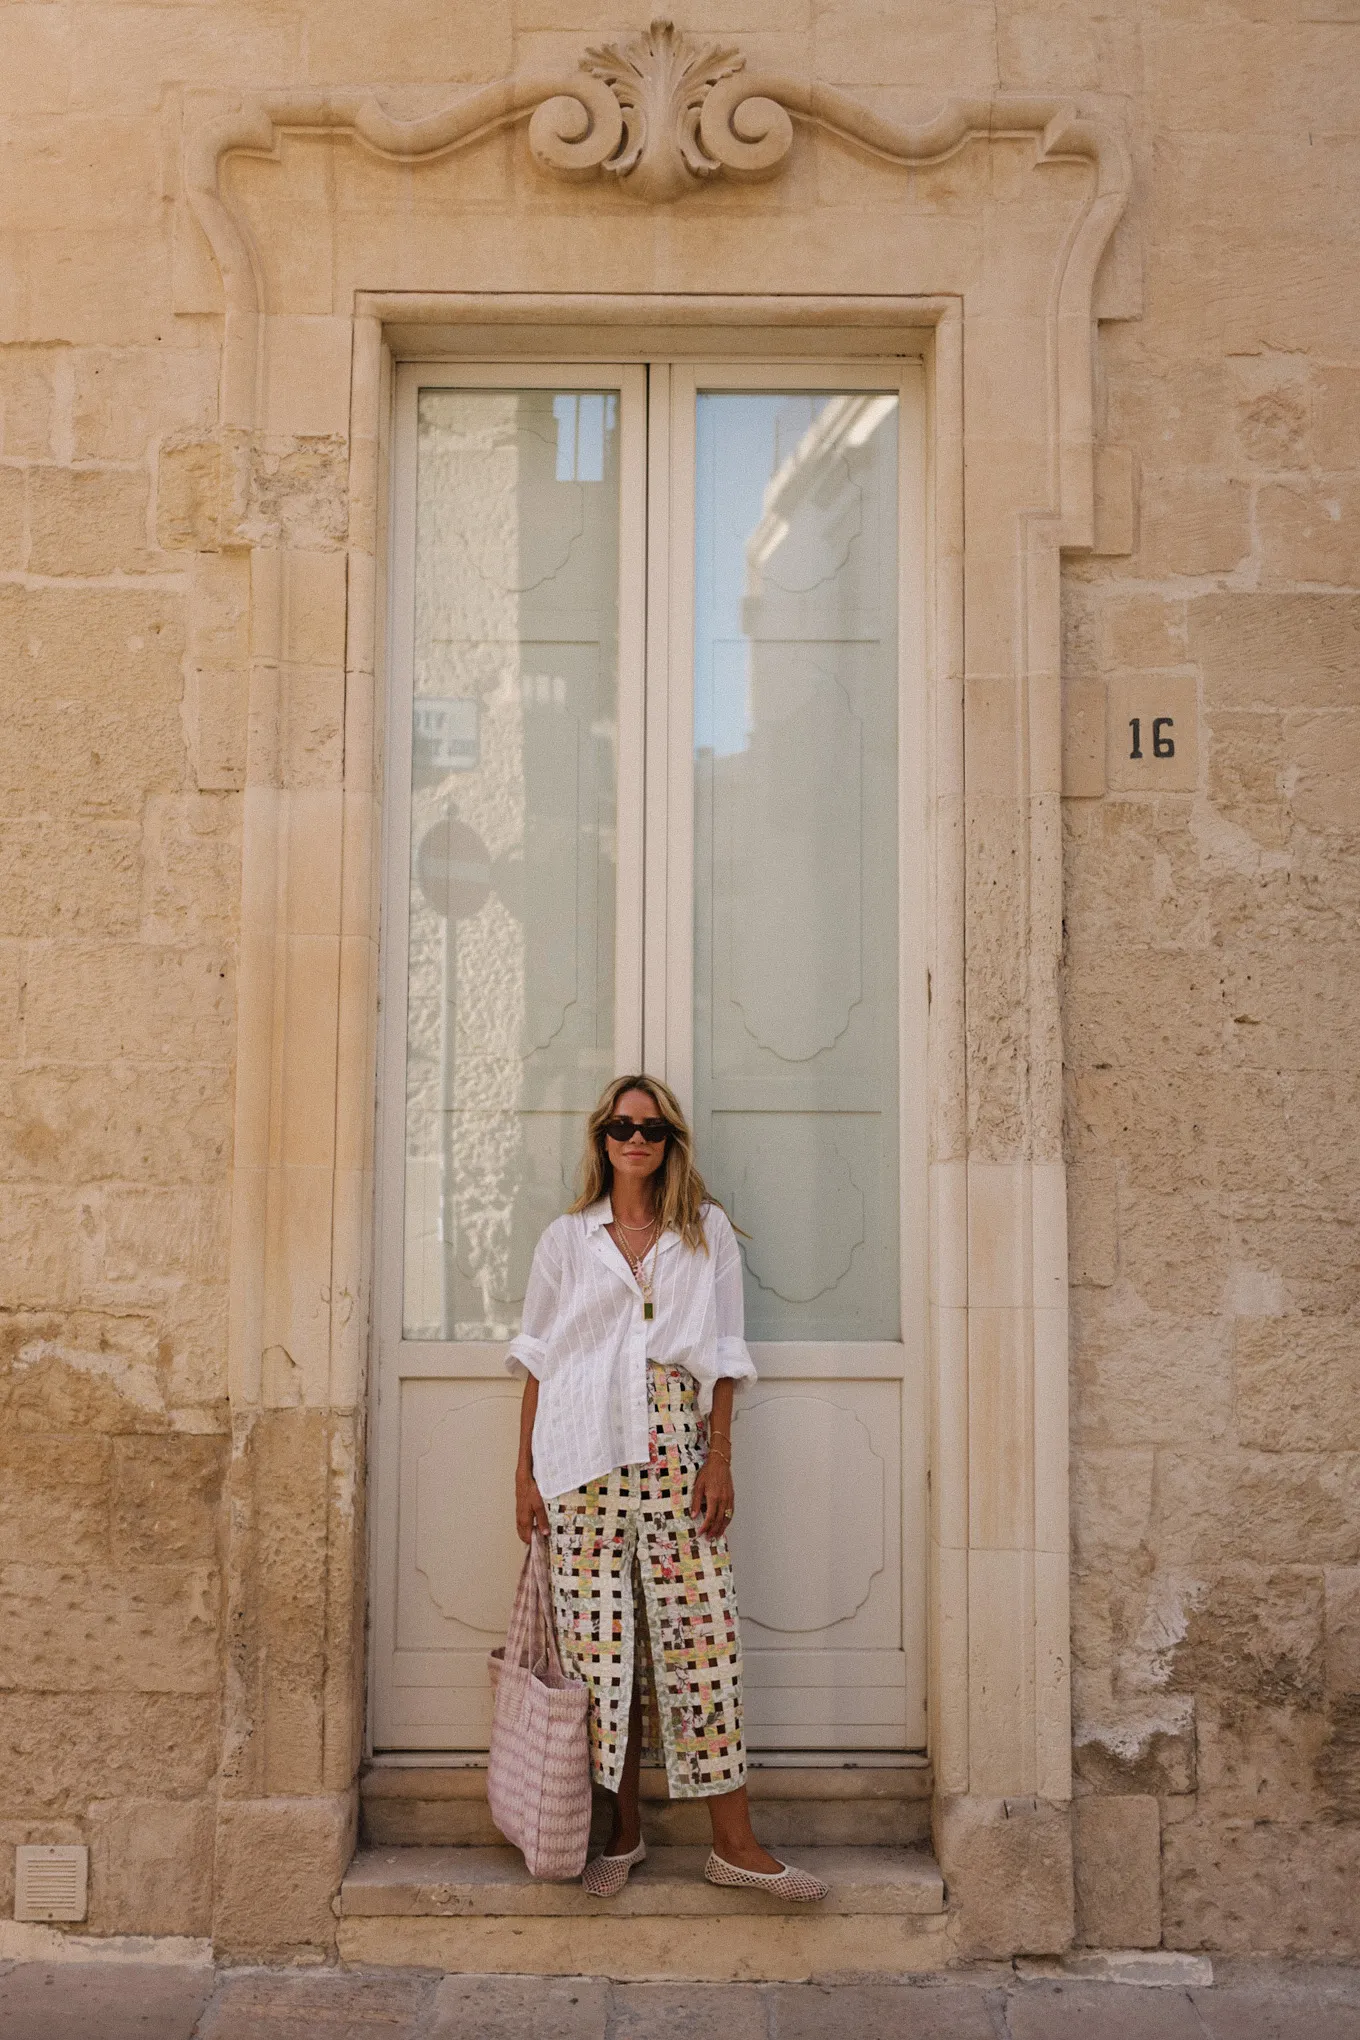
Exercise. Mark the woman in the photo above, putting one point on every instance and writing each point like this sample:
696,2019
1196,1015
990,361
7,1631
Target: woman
632,1347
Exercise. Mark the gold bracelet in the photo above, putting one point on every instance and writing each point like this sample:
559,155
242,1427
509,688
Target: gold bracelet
722,1447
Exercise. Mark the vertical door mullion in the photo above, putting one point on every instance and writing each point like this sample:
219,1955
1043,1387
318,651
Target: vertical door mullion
680,746
656,930
629,965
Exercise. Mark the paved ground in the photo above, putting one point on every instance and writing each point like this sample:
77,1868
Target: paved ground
104,2001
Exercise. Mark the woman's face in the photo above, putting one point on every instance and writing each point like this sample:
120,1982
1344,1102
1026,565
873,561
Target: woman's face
635,1158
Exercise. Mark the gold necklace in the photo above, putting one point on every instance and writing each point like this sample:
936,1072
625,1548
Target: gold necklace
635,1262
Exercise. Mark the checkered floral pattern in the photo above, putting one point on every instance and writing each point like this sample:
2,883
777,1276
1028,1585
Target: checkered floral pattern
634,1581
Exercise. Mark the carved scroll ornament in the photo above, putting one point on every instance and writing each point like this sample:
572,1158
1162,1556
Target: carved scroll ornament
662,113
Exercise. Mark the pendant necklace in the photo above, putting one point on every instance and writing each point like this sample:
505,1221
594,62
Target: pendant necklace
635,1263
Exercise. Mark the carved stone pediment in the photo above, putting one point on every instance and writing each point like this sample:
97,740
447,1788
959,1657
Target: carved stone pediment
662,113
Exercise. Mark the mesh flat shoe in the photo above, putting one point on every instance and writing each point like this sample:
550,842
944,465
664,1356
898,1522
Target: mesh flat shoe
607,1875
786,1882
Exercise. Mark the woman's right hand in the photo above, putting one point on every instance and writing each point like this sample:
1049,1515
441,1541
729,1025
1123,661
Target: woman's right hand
531,1511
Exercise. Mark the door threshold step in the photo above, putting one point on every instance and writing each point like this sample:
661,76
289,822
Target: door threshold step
879,1806
477,1909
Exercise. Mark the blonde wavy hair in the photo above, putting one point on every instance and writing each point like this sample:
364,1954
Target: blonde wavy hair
681,1193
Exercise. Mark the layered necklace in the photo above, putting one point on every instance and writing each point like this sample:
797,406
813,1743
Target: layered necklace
651,1234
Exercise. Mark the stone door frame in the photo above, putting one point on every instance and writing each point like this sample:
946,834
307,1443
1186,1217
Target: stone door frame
296,593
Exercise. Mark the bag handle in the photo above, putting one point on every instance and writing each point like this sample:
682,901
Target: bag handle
533,1632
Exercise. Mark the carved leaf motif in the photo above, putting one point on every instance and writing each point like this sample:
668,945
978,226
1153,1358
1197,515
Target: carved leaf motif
661,80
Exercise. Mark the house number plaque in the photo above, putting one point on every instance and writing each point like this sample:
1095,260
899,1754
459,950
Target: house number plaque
1152,733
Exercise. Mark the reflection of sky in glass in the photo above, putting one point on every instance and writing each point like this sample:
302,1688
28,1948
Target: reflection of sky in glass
741,443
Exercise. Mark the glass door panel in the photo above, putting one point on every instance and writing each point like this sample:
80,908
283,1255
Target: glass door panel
512,868
795,849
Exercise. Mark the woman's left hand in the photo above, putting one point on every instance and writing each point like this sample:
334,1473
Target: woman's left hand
714,1497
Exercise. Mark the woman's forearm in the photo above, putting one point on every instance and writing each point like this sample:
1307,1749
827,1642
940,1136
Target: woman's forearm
720,1419
528,1410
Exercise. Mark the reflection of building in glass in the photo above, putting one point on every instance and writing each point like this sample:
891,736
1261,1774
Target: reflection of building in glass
796,850
510,994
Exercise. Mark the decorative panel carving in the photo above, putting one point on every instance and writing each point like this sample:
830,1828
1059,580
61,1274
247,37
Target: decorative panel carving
460,1497
811,1536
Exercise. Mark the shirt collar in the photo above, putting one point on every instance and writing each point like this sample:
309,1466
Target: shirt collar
600,1214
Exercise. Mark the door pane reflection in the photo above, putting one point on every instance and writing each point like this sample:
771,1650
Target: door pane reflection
796,831
512,884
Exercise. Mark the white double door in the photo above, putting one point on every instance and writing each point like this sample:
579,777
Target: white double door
655,801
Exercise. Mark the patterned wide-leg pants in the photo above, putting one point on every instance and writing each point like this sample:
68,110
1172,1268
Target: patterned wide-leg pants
639,1593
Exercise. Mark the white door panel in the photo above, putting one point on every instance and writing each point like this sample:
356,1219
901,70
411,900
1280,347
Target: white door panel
729,560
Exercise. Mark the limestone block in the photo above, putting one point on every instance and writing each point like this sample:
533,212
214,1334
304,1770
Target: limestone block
1298,1383
151,1864
13,504
1276,651
218,659
152,1235
1261,1887
1250,1631
278,1865
90,686
1302,1508
1257,1762
346,43
1343,1629
87,520
81,1370
1322,754
166,1500
38,47
1138,632
54,1498
1337,1771
26,402
1272,402
1336,417
188,493
49,1240
191,864
1111,1504
63,876
1083,739
1117,1869
314,608
128,71
164,1125
297,494
307,387
124,400
66,1748
1192,524
1246,763
1172,1250
90,1001
130,1629
1142,1746
1308,531
1008,1874
1116,515
1093,1221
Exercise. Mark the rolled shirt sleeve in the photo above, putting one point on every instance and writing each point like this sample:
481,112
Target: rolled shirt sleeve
732,1355
528,1350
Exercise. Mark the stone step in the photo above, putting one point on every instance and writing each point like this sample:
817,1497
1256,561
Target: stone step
887,1806
476,1910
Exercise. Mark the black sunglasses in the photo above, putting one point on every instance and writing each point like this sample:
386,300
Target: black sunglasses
651,1130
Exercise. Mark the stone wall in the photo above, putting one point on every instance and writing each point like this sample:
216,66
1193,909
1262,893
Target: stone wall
1213,1093
1213,1066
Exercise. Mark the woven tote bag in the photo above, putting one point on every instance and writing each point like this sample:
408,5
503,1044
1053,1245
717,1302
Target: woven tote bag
538,1782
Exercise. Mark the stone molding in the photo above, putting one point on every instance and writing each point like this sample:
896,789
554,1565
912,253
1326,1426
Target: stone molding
742,126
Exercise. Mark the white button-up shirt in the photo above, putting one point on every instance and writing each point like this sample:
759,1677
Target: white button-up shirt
586,1340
